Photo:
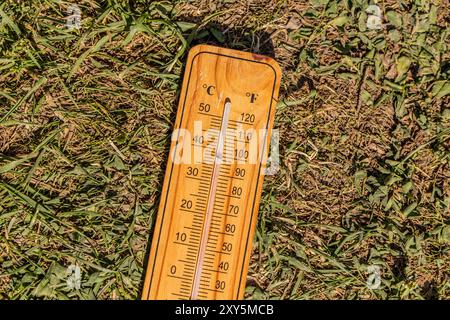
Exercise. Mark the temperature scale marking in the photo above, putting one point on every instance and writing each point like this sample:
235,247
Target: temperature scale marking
212,187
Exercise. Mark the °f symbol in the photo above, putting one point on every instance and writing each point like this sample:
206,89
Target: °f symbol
209,89
252,96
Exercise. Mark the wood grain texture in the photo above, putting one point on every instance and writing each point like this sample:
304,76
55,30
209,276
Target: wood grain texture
251,83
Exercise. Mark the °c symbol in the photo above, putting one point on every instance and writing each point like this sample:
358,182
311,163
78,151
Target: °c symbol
209,89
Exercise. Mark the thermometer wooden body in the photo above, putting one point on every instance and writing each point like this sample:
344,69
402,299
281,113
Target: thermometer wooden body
208,210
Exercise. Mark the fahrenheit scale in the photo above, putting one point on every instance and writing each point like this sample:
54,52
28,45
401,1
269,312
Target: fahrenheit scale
210,198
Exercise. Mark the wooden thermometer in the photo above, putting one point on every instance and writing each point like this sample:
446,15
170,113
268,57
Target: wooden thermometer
210,198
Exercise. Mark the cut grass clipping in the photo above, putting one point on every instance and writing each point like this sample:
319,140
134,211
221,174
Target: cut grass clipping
358,210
